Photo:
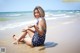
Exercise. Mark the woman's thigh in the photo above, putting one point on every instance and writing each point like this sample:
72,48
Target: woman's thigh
28,41
30,33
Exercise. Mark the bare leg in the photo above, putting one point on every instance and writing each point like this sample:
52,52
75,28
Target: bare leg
16,40
23,35
28,41
30,33
19,39
22,38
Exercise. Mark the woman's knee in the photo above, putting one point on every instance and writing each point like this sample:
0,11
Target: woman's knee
30,33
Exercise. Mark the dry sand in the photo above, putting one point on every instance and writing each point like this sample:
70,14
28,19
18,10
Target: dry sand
63,36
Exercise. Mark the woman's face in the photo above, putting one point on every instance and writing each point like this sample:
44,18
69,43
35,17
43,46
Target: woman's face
36,14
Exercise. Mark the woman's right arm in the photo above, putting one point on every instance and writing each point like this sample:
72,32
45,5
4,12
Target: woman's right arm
31,28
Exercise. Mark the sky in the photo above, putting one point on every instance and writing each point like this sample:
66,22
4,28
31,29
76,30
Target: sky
29,5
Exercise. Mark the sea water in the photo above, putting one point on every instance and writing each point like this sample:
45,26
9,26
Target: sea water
10,20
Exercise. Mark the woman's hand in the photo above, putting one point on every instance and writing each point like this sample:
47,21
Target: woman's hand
24,30
30,26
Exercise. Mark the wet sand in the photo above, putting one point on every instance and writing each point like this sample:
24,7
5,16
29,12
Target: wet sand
62,36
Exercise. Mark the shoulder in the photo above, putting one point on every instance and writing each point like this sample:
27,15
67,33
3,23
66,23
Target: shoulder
41,19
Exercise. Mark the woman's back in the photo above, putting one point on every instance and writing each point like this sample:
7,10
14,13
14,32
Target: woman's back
42,22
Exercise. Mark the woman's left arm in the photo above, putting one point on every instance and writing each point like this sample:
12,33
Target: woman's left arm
39,28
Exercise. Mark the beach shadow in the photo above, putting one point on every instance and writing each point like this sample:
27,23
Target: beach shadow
48,45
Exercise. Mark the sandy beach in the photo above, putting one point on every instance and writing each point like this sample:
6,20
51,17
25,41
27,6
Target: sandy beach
63,35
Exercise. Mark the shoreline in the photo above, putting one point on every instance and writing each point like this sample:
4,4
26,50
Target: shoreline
64,32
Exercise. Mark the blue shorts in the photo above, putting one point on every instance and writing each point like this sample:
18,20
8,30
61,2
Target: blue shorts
38,40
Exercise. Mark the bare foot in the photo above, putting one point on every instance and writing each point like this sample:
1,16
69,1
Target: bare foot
16,42
14,37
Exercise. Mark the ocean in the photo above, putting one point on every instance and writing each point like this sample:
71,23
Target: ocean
10,20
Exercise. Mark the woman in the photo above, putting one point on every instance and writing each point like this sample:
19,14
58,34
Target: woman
37,36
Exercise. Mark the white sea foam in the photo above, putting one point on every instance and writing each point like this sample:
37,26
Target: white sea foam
18,24
57,15
48,16
13,15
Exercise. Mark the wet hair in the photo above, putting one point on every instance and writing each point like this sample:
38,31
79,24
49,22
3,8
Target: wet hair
41,11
